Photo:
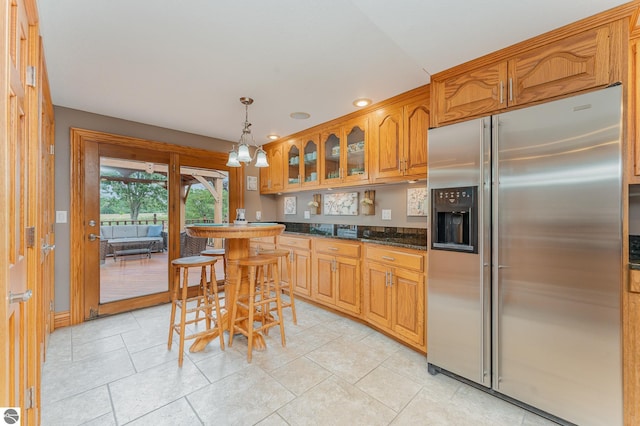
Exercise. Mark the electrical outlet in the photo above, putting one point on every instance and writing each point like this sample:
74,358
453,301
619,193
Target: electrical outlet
386,214
307,214
258,215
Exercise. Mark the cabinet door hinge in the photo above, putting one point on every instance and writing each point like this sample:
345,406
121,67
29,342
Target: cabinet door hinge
52,149
31,76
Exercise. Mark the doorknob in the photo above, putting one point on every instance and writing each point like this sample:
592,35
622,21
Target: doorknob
93,237
20,297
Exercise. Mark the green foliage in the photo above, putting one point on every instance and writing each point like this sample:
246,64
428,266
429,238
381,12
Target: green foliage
136,199
133,197
200,204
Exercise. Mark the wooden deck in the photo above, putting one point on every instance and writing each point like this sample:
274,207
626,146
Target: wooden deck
132,276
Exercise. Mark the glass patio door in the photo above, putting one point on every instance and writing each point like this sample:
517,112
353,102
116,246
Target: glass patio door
125,197
134,219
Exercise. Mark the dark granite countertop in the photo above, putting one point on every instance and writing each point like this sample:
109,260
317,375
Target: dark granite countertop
411,238
634,249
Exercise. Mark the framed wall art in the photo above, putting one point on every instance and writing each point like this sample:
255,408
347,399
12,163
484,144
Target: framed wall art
416,201
343,203
289,205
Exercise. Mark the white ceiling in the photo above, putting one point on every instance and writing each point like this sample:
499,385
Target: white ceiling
183,65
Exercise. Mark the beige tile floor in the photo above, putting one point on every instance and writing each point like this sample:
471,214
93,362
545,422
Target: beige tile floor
333,371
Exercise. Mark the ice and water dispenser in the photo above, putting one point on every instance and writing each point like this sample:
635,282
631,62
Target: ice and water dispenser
454,219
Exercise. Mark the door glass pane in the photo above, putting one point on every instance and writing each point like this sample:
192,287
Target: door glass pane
310,161
133,229
204,198
355,152
332,156
294,165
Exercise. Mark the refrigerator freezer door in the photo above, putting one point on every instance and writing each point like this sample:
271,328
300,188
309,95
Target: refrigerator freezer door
458,338
557,261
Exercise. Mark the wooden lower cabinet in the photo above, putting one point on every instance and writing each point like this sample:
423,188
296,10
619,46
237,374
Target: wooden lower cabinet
395,293
382,285
631,351
336,275
300,257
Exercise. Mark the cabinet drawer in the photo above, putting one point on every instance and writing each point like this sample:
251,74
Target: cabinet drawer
395,257
335,247
634,281
302,243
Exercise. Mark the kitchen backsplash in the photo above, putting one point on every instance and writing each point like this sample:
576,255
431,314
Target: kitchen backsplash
391,234
634,248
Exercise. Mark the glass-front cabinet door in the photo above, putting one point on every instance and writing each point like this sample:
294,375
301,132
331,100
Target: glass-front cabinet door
294,165
355,158
344,153
310,160
331,165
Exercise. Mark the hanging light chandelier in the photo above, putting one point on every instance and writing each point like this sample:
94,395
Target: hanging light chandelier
242,154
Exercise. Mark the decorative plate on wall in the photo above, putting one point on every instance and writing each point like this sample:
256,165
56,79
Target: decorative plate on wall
289,205
343,203
416,201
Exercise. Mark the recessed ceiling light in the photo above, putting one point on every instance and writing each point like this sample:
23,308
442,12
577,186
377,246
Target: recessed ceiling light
362,102
273,137
300,115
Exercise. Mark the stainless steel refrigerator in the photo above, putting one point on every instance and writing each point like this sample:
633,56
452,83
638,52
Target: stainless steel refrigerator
525,254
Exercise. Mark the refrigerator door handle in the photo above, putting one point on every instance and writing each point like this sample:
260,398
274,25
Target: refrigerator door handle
485,222
495,257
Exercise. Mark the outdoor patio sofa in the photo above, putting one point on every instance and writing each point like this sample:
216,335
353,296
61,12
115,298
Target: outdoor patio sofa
123,237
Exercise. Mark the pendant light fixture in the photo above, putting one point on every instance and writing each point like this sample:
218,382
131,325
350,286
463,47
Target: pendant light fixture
242,155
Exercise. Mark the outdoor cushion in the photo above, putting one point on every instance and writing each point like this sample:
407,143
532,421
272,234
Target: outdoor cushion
154,231
125,231
141,230
106,232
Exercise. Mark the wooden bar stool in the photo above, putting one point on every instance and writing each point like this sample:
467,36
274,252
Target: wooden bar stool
206,301
253,305
219,254
285,255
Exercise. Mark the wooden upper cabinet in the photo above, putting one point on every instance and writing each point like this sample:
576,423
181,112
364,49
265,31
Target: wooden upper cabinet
417,117
309,148
272,177
294,166
570,65
399,142
301,162
634,104
578,62
477,92
387,142
343,153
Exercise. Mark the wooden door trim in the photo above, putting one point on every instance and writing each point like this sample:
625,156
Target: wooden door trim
79,139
